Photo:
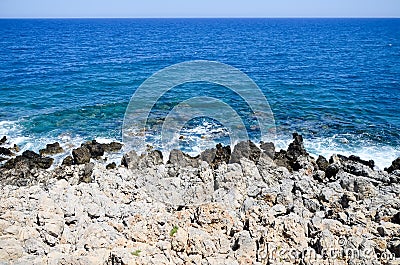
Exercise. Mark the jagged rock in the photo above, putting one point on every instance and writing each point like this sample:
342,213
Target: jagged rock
394,247
112,147
268,149
111,166
180,159
81,155
68,161
395,166
296,148
215,156
396,218
245,149
289,158
86,177
131,160
29,159
5,151
322,163
331,171
95,149
3,140
208,155
52,149
151,159
369,163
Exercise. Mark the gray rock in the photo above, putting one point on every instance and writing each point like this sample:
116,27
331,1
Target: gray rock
52,149
245,150
68,161
268,149
395,165
322,163
180,159
81,155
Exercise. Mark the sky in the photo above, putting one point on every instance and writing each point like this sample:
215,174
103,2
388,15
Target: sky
198,8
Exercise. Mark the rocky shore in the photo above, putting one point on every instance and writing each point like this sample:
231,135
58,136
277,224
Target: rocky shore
242,205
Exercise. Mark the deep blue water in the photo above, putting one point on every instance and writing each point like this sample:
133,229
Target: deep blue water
336,81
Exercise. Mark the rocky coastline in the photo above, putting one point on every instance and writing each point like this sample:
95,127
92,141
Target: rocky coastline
246,204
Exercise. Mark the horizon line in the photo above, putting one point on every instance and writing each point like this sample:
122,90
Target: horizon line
222,17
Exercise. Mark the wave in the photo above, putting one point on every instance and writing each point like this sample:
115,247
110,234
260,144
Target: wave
202,135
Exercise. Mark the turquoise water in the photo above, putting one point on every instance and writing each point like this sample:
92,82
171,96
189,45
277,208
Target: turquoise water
336,81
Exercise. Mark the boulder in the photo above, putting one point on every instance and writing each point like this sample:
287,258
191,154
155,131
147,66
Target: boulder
180,159
5,151
268,149
132,160
112,147
29,159
322,163
52,149
86,176
331,171
111,165
216,156
395,166
3,140
295,150
95,149
245,149
81,155
68,161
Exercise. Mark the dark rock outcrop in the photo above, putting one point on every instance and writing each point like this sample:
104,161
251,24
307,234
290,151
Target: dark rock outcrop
5,151
245,149
322,163
132,160
3,140
86,177
216,156
112,147
395,166
81,155
95,149
295,150
396,218
29,159
68,161
268,149
331,171
180,159
52,149
111,165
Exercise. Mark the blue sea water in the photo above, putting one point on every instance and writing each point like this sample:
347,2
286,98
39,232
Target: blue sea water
336,81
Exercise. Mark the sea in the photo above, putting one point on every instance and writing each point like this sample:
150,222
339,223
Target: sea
335,81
